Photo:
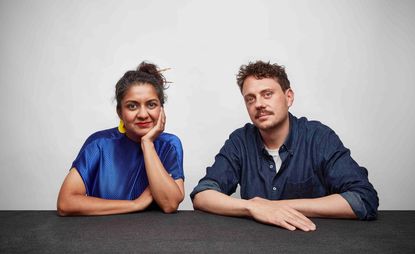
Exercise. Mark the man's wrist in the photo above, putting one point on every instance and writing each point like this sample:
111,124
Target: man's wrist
249,206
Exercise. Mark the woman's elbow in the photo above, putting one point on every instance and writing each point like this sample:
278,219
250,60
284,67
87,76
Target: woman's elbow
62,209
171,207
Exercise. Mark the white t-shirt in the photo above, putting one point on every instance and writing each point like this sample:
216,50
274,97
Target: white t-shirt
276,156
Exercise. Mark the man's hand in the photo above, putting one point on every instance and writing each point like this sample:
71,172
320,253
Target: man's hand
144,200
157,129
276,213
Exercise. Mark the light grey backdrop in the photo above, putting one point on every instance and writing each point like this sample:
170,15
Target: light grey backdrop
351,64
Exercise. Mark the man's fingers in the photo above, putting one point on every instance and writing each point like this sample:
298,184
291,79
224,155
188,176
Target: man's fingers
280,215
303,219
300,222
284,224
291,222
296,219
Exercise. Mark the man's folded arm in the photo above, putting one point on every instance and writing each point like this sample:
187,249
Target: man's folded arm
207,196
345,177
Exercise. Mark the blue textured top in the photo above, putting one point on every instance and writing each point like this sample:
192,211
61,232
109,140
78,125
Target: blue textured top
112,166
314,164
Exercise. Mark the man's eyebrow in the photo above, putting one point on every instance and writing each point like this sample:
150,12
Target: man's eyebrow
267,90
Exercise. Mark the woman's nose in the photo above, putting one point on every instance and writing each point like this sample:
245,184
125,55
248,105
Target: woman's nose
142,113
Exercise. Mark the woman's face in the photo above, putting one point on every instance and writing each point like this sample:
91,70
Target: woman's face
140,109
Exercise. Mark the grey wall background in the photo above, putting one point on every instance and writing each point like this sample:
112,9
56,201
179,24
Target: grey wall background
351,64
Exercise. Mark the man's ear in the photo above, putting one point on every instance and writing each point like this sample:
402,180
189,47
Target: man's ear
289,95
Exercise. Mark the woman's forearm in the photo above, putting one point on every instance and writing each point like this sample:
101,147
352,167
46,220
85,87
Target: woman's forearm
84,205
72,200
164,189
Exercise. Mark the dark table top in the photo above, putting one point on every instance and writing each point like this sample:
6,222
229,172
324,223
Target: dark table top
194,231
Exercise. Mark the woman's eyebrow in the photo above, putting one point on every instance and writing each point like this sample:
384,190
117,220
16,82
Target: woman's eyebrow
131,101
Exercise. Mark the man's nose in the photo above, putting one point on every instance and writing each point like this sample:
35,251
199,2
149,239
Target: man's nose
259,103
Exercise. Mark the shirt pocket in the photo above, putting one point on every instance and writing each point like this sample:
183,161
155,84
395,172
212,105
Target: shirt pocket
301,189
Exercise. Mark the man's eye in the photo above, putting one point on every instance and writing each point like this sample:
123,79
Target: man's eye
249,100
268,94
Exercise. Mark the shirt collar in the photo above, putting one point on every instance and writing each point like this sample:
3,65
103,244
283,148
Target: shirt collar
289,142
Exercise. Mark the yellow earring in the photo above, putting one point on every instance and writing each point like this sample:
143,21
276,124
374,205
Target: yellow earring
121,127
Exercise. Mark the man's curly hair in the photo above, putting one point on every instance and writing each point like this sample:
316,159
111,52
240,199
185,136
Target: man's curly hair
260,70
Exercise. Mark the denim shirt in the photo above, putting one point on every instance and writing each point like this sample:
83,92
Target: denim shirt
314,164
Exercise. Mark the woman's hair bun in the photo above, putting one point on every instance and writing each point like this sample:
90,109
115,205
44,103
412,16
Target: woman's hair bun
152,70
146,73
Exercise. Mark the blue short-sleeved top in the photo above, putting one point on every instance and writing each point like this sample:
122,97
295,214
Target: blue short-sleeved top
112,165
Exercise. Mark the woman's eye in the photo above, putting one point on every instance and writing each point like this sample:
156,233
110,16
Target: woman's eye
132,106
152,105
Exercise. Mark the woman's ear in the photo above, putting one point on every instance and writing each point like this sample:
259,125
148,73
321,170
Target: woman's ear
119,112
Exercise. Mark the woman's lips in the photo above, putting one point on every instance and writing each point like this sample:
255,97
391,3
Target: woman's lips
143,124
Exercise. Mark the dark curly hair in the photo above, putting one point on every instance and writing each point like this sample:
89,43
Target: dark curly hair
260,70
146,73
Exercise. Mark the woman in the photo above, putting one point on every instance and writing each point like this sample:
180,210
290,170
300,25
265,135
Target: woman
125,169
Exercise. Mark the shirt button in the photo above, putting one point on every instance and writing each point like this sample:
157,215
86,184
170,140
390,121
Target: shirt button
271,166
274,188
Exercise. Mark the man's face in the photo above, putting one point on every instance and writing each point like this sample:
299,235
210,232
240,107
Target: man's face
266,103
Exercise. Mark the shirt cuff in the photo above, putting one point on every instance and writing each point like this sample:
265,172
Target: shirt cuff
356,202
205,185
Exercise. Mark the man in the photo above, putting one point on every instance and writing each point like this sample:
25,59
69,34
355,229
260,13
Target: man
288,168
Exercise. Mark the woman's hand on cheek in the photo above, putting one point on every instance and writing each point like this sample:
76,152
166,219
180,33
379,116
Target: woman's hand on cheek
157,129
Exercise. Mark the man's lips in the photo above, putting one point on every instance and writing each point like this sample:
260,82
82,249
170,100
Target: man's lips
263,114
